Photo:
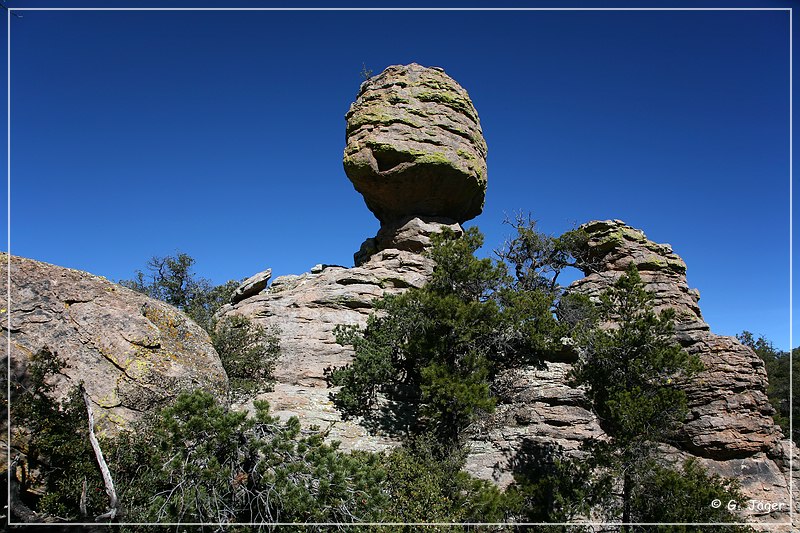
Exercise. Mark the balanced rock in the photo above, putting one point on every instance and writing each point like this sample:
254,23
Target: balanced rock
131,352
415,146
251,286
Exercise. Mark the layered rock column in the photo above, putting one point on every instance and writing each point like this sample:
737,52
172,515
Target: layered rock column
729,427
415,150
729,409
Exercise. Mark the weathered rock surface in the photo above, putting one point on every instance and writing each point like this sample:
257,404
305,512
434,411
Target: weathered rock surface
729,409
131,352
538,410
251,286
411,234
306,308
415,146
729,429
729,426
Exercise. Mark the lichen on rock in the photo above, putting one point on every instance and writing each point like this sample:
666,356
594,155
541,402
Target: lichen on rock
131,352
415,146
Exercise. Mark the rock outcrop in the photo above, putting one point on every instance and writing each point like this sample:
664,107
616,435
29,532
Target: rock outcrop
251,286
416,153
306,308
410,234
729,409
131,352
415,146
729,427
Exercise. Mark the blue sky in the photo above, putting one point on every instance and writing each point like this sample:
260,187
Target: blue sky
221,134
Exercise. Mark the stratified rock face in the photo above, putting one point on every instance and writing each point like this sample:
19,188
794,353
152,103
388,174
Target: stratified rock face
306,308
131,352
729,426
415,146
411,234
729,410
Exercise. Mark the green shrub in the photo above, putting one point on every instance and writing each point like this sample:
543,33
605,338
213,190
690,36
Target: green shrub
172,280
426,483
54,436
199,462
248,353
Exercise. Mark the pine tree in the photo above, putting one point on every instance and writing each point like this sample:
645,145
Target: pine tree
631,366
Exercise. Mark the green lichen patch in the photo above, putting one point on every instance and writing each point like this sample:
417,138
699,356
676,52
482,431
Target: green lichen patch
450,99
464,154
434,158
377,118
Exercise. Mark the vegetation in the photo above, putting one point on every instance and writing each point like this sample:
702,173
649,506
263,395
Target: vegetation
630,372
247,350
55,434
199,462
172,280
425,365
436,349
777,365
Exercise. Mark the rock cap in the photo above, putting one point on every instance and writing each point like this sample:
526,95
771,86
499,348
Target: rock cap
415,146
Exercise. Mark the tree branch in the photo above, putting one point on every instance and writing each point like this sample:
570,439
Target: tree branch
112,493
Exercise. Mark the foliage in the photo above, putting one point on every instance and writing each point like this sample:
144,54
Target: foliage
248,353
437,348
365,72
426,483
777,366
198,462
548,487
172,280
55,440
685,495
538,259
631,365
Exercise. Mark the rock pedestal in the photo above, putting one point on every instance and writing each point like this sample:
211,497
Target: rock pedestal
415,146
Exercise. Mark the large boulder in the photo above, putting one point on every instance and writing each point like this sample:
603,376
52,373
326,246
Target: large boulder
415,146
131,352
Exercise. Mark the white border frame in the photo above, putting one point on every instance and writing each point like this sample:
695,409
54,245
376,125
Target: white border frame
10,11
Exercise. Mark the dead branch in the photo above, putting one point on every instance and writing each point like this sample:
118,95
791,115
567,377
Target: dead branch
98,453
